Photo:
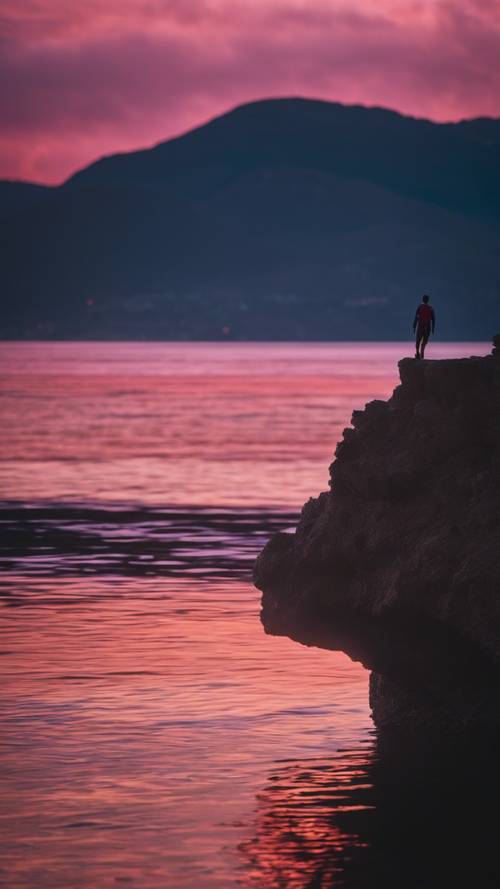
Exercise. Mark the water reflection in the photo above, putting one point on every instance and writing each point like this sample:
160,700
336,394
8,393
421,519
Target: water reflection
240,424
69,540
142,703
387,814
311,818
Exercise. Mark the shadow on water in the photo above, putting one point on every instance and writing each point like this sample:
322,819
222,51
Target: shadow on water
60,540
373,816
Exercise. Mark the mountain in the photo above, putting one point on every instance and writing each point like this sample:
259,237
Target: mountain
283,219
16,196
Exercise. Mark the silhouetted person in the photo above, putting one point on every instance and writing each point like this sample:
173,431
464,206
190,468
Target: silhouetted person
424,324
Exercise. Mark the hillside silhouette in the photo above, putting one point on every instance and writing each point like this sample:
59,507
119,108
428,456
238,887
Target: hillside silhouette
283,219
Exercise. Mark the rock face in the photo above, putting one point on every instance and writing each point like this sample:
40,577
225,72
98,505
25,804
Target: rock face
399,563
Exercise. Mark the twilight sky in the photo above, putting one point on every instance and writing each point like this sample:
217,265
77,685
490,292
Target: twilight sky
82,79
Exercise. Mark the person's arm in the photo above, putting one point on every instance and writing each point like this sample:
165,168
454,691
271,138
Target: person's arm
433,320
415,322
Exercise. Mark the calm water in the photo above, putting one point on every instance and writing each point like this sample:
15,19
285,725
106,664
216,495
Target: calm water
151,734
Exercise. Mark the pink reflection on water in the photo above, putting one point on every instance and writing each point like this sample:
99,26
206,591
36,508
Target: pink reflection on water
199,423
143,715
140,717
302,835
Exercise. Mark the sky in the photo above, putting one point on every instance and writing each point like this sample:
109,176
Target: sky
83,79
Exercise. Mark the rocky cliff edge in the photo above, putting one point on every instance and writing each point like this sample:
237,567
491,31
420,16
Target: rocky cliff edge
398,564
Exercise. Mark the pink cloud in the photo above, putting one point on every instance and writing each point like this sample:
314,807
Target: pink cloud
89,79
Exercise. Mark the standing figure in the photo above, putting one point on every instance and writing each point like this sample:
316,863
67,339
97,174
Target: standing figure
424,324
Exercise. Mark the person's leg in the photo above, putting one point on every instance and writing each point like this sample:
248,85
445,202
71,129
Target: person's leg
417,342
425,337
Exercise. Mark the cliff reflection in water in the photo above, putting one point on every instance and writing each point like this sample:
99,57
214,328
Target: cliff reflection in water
310,820
378,816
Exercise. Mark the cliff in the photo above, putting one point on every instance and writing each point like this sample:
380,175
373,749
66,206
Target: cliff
399,563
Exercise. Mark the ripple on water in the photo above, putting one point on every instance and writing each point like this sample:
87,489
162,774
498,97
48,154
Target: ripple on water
143,704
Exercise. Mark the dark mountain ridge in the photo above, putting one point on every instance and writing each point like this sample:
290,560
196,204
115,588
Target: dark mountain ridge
408,155
283,219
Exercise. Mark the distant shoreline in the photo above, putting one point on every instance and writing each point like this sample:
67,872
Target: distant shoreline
233,341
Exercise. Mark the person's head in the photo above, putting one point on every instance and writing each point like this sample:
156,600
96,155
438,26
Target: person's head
425,299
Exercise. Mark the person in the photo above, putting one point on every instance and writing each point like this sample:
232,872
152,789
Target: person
423,325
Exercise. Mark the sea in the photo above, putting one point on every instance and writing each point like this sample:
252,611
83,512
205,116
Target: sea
151,734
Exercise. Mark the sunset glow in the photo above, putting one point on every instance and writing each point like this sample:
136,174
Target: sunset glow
88,80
